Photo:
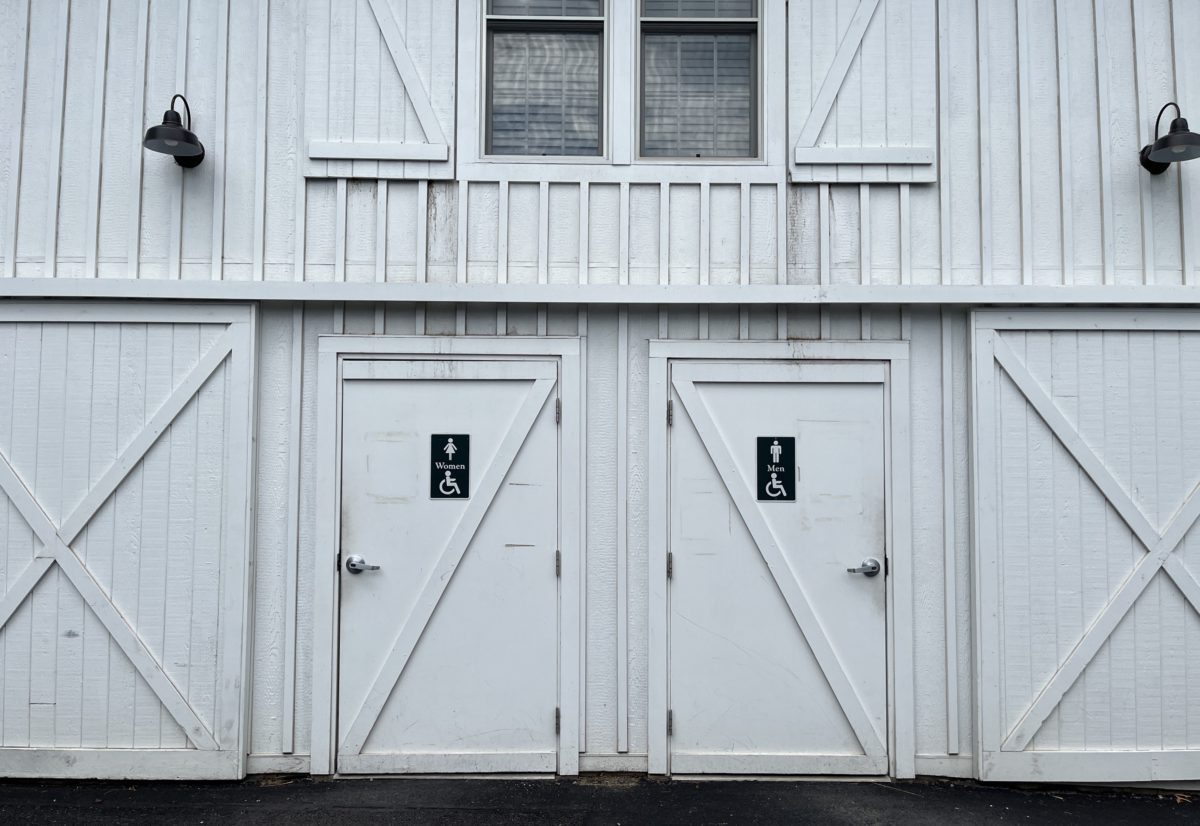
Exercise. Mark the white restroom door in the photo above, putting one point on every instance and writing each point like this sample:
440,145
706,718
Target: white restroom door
777,653
448,653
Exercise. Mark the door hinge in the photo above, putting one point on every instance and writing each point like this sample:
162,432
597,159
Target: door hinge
670,412
337,565
885,566
670,565
558,720
558,563
558,411
670,722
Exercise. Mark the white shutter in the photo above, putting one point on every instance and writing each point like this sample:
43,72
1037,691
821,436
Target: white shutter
862,86
379,89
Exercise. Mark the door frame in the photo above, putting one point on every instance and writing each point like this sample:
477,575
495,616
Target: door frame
336,350
901,709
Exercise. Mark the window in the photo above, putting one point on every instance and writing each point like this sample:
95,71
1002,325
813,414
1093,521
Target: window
699,79
545,77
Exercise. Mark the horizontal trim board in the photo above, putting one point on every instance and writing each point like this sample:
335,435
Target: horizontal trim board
278,764
118,764
1092,766
1145,319
126,288
471,762
721,763
361,151
898,155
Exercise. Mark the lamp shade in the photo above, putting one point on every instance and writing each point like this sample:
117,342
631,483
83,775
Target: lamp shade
171,138
1180,144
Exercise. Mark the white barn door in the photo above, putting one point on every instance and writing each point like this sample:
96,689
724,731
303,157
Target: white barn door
449,650
778,654
124,469
1088,467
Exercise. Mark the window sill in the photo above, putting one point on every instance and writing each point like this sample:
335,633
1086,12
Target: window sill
603,171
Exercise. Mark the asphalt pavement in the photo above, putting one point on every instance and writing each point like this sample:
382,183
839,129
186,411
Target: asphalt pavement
586,801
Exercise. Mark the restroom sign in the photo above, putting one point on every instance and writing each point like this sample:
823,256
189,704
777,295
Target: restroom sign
449,466
776,468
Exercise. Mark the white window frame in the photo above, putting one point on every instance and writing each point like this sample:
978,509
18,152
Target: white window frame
619,162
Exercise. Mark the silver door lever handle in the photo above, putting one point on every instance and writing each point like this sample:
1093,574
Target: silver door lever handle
355,564
869,567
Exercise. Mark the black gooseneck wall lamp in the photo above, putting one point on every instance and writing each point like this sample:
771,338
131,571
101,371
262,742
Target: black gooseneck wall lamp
1180,144
172,138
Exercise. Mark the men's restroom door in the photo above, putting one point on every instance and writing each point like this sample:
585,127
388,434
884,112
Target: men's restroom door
449,648
777,652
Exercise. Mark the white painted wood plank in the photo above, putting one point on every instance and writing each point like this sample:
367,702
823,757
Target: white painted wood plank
378,151
418,95
916,156
1065,153
16,153
22,585
381,223
262,85
55,137
949,537
97,145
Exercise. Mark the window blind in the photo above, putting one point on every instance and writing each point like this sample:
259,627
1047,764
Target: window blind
548,8
699,8
697,93
545,92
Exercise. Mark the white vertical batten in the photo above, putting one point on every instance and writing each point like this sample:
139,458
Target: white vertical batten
217,259
985,164
1023,140
502,233
1187,207
664,233
543,254
905,235
422,274
703,240
585,218
744,235
260,142
622,422
1145,120
139,113
92,252
1065,155
949,538
781,263
175,245
292,551
381,219
460,258
864,234
823,230
18,144
1106,194
623,235
54,167
944,204
339,232
301,152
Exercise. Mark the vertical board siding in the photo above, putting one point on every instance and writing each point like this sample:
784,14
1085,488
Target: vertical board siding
606,714
1063,93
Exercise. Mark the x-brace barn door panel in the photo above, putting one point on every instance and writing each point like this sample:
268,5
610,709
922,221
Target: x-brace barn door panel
124,470
777,654
1088,468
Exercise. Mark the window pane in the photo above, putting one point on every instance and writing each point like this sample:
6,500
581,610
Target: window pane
545,96
698,95
548,8
699,8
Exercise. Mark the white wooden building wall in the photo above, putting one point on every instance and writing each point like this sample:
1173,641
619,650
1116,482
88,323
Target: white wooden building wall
1042,107
616,588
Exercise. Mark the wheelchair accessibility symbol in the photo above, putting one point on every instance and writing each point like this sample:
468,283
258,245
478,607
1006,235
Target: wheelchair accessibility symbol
776,463
775,488
450,466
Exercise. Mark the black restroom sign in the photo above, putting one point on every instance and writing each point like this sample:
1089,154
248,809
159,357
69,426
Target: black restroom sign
449,466
776,468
